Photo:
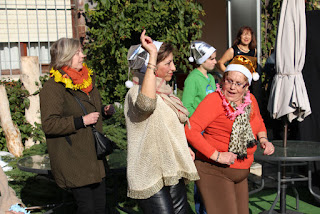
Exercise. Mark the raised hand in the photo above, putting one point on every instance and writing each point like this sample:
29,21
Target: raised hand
147,43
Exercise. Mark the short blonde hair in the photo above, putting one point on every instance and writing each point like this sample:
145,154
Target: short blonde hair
62,52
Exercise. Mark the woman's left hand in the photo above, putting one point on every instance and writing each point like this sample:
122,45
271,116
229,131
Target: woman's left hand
193,156
268,147
109,110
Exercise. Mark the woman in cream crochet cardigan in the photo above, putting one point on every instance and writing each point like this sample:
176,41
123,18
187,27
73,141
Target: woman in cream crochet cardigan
159,159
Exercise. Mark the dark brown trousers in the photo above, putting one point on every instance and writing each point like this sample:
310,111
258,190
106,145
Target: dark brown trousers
223,189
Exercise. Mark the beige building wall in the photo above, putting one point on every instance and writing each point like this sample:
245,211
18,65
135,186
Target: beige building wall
215,28
35,21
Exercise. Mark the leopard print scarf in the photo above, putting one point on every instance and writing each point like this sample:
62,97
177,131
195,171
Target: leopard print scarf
241,135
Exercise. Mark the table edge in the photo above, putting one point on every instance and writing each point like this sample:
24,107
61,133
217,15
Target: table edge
290,159
27,169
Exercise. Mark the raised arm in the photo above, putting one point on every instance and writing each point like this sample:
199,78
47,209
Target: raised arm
148,87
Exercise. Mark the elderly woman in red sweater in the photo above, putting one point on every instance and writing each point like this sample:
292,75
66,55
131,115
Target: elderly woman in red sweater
231,121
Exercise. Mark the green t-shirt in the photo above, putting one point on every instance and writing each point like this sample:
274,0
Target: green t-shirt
196,88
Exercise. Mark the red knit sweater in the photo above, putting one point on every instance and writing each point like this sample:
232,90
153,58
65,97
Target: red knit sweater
210,116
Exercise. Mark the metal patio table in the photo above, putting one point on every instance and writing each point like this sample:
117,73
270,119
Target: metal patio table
297,153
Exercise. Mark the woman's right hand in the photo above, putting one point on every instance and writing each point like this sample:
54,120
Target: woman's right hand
147,43
91,118
224,157
227,158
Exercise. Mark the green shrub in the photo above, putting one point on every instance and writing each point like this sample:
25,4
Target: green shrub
116,25
115,128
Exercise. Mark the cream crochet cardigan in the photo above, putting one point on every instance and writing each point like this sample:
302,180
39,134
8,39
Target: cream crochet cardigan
158,153
8,196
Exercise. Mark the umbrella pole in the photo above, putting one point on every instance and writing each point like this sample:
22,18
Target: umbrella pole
285,132
283,200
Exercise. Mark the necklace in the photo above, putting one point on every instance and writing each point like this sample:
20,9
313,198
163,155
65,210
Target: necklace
65,79
232,114
244,51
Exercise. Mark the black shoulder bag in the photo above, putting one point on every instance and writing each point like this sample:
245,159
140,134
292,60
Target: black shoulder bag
104,146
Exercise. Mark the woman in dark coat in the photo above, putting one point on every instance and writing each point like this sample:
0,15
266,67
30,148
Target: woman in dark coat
70,141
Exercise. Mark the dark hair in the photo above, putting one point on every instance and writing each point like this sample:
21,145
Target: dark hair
253,43
62,51
164,51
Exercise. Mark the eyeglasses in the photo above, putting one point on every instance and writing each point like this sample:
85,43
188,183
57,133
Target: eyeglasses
236,84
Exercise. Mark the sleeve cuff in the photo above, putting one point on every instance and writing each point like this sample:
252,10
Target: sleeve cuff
78,123
146,104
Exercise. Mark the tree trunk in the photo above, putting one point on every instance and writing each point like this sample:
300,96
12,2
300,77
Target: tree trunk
11,131
30,75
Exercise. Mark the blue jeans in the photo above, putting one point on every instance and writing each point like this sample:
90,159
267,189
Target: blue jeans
198,203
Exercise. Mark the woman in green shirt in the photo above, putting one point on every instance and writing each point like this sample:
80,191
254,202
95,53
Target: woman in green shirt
199,82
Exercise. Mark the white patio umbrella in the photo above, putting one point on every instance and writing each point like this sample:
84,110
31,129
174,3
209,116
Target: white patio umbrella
288,96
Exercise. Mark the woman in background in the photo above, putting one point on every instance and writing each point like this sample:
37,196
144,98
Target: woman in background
245,44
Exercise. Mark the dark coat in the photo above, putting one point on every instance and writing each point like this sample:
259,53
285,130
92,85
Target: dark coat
71,148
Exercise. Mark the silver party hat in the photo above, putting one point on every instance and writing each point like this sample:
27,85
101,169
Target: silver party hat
200,51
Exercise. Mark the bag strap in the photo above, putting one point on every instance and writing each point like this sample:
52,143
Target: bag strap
78,100
82,107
